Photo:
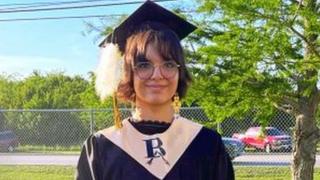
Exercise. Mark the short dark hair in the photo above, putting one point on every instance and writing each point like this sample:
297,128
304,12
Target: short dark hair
169,47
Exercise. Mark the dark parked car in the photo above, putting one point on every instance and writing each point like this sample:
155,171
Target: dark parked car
8,141
233,146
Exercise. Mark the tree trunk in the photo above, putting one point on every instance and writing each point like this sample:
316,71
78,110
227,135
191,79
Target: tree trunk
304,146
306,133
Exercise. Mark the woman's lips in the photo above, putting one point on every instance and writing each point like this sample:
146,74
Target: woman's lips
155,86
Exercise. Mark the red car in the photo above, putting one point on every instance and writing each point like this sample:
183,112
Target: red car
8,141
271,139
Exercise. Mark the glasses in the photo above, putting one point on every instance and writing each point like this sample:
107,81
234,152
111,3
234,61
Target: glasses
145,70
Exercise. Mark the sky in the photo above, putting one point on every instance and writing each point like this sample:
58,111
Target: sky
54,45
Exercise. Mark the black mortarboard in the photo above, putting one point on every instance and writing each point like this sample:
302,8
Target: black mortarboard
148,12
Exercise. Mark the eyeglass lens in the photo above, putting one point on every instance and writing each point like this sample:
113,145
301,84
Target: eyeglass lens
145,69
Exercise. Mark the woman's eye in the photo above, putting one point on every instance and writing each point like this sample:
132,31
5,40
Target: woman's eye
170,65
144,65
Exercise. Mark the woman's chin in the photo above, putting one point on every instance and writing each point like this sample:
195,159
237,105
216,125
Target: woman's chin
158,100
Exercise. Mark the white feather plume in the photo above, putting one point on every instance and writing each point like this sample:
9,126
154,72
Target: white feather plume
109,71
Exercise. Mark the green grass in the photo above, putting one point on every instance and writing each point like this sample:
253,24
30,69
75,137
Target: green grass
36,172
49,149
267,173
67,172
75,149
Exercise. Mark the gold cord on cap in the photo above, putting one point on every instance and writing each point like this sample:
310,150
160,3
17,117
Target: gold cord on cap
116,112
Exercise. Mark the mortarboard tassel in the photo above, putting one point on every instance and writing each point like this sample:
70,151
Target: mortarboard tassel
116,112
108,76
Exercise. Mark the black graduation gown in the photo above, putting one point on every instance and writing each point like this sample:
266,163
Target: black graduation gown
203,158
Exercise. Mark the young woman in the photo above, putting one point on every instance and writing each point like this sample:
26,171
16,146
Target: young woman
155,142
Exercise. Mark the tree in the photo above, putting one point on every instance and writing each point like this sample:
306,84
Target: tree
52,91
9,92
89,99
261,56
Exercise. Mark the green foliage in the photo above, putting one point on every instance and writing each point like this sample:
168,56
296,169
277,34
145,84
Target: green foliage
8,92
50,91
249,57
54,91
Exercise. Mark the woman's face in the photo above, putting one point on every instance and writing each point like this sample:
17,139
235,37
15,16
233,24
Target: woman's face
157,86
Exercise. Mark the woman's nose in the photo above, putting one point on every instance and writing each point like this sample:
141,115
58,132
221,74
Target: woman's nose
156,73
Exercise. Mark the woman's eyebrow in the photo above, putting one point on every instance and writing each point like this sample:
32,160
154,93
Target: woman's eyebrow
141,58
167,57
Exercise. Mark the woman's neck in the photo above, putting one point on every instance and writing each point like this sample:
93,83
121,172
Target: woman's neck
163,113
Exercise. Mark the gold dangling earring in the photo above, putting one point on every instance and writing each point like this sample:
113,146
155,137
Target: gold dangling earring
132,108
176,104
135,113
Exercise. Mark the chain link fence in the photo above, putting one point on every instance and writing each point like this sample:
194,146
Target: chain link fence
66,130
63,129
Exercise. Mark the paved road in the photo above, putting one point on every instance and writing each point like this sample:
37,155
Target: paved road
51,159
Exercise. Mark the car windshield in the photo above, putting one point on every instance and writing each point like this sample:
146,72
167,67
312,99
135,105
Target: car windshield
274,132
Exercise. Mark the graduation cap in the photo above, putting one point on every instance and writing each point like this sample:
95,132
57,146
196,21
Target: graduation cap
109,71
148,12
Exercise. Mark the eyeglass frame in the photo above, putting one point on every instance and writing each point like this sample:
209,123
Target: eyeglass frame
155,66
